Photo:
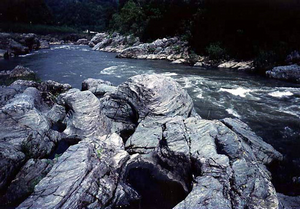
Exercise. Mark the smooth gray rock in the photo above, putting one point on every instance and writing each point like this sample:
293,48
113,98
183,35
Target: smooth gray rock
155,95
98,86
289,73
263,151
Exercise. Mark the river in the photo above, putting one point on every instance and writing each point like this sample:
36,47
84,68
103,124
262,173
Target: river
270,107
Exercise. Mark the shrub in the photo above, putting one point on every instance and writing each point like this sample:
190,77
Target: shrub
216,52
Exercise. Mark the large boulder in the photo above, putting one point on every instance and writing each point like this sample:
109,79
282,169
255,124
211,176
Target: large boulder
155,95
288,73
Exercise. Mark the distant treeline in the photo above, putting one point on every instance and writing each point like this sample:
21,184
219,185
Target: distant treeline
243,29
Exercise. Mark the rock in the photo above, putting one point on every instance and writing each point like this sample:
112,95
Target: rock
54,87
84,176
82,41
207,193
179,61
25,132
155,95
264,152
97,39
202,64
105,42
83,117
133,52
11,159
98,86
288,73
20,71
44,44
25,181
141,145
233,168
288,202
237,65
17,48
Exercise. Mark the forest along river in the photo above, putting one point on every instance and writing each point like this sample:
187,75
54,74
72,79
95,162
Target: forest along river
270,107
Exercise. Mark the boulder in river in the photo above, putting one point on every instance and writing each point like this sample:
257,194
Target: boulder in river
141,145
288,73
82,41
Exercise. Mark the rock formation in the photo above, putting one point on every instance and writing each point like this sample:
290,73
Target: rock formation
287,73
138,145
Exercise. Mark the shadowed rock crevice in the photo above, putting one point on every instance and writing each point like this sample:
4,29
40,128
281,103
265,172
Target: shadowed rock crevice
62,146
156,190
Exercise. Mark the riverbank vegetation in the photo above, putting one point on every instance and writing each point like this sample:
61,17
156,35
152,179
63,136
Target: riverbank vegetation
260,30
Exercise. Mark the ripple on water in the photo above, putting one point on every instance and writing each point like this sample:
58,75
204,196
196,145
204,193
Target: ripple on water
280,94
242,92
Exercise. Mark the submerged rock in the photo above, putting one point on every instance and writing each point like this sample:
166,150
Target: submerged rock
139,145
288,73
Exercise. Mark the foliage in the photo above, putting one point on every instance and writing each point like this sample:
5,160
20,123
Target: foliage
129,20
216,52
99,152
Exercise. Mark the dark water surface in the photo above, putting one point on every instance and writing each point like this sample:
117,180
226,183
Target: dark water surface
270,107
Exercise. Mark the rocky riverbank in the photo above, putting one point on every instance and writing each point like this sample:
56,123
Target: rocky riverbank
137,145
15,44
171,49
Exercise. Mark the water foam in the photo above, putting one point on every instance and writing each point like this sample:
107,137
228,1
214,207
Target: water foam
109,70
233,112
237,92
280,94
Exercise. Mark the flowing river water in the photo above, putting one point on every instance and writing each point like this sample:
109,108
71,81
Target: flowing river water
270,107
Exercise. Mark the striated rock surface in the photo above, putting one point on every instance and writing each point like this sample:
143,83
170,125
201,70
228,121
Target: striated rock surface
138,145
288,73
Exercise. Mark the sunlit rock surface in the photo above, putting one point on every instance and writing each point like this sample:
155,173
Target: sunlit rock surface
138,145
